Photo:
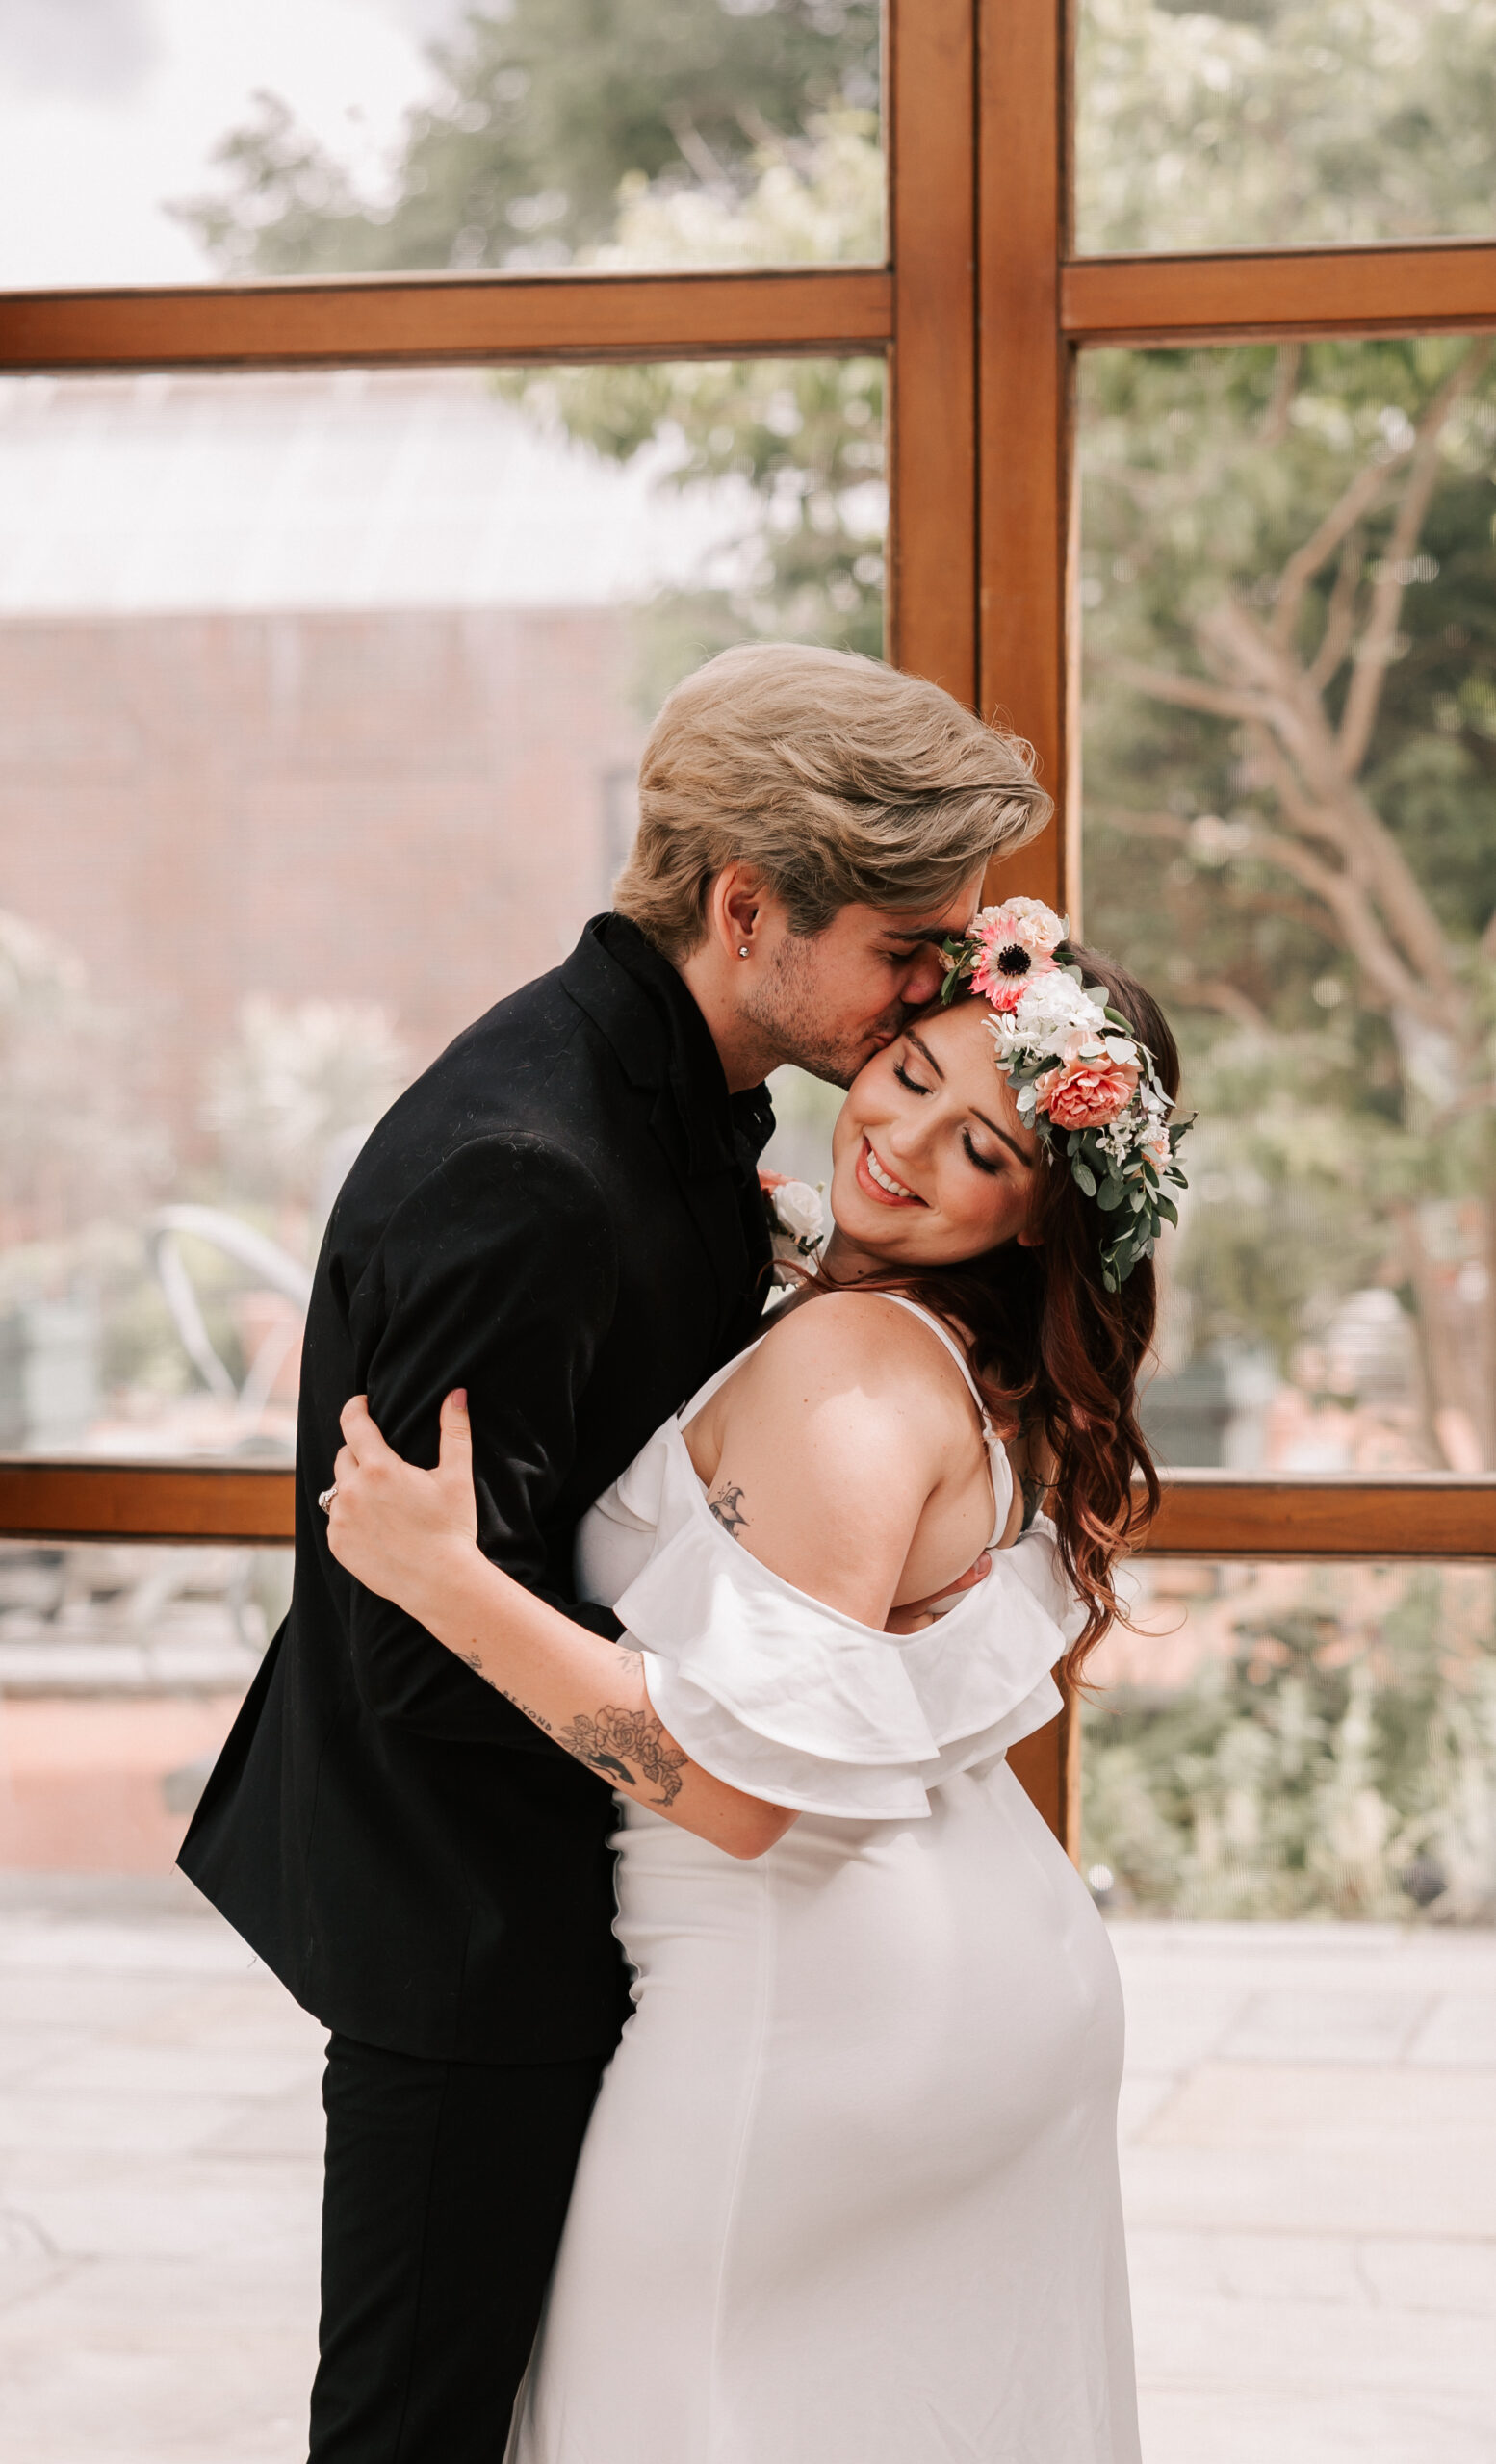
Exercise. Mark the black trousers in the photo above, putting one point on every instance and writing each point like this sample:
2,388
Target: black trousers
446,2191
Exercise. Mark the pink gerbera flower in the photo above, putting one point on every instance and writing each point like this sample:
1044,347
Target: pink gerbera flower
1015,942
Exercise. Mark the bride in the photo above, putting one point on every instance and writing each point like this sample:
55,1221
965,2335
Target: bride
849,2192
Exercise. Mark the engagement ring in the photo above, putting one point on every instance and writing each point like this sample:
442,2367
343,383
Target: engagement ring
326,1497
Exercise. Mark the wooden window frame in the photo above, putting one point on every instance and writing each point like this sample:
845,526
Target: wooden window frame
982,310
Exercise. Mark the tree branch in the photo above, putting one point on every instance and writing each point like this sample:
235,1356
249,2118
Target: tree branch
1227,997
1361,930
1373,654
1305,563
1286,385
1187,692
1339,619
1335,808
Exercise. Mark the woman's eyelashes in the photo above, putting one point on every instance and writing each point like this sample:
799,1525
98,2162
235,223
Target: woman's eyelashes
990,1164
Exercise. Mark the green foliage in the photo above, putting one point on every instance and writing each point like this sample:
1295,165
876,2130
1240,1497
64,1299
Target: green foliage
1331,899
805,435
545,109
1336,1045
1267,122
1341,1762
659,132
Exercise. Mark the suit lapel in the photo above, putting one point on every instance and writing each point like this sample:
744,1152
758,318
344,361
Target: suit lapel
640,1005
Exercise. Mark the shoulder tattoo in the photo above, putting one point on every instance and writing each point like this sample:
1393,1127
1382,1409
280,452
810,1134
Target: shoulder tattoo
727,1504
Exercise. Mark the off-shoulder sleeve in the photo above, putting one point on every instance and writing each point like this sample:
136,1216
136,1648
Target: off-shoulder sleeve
796,1703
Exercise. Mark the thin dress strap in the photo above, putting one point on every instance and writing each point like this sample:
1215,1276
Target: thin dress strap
999,1470
942,1334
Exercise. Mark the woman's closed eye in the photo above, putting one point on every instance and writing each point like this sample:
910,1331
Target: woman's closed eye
991,1164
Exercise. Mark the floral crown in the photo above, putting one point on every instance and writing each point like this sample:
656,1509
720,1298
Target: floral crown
1077,1071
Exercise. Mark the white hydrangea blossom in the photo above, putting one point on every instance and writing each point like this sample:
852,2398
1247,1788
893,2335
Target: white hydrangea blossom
1052,1007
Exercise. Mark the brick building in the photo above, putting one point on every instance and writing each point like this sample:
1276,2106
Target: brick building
317,687
413,807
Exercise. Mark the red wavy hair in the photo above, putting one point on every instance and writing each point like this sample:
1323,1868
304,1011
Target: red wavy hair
1053,1351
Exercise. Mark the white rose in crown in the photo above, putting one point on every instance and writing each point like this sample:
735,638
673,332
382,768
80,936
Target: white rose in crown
797,1218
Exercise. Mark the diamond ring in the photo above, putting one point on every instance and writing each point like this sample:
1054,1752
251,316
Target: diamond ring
326,1497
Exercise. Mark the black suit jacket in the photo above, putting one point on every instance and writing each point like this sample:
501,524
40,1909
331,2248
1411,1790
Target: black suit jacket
563,1215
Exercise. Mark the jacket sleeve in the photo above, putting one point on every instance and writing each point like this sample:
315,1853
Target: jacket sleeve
498,1273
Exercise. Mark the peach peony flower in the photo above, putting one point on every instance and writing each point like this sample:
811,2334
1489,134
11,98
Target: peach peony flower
1086,1094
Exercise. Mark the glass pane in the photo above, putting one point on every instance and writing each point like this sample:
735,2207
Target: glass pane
1269,123
1306,2117
161,2102
1289,583
121,1669
321,701
172,140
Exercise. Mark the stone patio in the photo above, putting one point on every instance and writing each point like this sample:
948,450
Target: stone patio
1309,2160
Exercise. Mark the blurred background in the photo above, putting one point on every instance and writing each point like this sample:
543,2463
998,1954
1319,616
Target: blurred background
320,702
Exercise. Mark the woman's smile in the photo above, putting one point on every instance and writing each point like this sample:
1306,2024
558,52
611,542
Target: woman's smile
879,1181
962,1183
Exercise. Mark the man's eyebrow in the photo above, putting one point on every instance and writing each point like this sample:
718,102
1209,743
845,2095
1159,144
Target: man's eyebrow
935,933
1026,1160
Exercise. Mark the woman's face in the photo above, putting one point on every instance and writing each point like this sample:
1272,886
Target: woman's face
930,1163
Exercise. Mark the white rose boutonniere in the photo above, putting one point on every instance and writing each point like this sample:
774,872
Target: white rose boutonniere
797,1221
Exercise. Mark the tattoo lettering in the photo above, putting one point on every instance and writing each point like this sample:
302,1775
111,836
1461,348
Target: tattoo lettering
728,1507
626,1745
470,1659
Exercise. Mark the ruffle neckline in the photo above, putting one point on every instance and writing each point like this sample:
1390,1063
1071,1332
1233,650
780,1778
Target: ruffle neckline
800,1704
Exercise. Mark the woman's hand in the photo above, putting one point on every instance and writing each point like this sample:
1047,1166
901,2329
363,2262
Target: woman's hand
915,1615
407,1534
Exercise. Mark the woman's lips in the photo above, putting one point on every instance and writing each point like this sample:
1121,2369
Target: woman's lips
898,1195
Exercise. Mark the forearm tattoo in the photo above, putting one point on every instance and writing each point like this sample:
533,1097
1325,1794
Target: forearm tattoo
728,1507
470,1659
612,1740
627,1746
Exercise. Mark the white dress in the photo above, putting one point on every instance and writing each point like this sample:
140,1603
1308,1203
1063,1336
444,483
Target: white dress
849,2195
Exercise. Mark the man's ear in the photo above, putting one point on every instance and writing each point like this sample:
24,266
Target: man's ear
738,906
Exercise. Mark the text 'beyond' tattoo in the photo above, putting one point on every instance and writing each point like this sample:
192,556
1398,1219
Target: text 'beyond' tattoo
728,1507
627,1746
470,1659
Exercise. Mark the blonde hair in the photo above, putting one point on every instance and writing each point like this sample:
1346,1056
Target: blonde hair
840,780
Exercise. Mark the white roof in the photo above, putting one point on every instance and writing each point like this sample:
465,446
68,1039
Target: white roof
352,489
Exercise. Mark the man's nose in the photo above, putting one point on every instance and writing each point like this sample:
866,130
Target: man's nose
922,982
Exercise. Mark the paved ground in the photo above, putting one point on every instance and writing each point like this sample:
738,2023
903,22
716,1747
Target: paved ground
1309,2131
1309,2174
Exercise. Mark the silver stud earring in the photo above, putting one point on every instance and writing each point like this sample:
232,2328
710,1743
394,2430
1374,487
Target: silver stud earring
742,950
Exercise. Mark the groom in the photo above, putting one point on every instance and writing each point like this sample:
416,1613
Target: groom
562,1215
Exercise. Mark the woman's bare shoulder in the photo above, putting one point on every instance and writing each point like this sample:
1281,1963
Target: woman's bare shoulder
862,1343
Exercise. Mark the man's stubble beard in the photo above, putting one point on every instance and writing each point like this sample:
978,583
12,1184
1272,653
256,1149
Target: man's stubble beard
789,1011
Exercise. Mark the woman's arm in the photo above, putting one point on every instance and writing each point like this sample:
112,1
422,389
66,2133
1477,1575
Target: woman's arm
410,1536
